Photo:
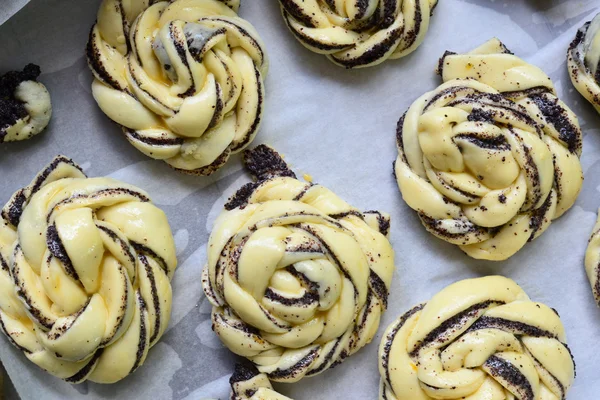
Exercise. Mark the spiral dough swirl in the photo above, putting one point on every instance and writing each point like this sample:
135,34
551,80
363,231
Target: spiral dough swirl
490,157
184,78
247,383
476,339
85,271
359,33
583,61
297,277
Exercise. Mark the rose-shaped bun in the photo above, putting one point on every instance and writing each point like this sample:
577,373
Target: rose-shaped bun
583,61
85,271
490,157
247,383
25,107
297,277
356,34
476,339
183,78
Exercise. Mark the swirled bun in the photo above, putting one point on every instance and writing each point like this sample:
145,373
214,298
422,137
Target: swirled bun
247,383
476,339
184,78
583,61
357,34
85,271
490,157
298,278
25,107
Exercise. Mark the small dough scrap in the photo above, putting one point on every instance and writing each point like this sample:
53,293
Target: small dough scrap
25,107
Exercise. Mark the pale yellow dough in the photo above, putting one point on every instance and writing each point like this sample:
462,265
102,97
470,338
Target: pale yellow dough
490,157
22,88
592,261
477,339
249,384
86,265
183,78
583,61
297,277
357,34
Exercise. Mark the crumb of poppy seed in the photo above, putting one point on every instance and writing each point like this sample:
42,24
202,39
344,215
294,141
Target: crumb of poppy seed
264,163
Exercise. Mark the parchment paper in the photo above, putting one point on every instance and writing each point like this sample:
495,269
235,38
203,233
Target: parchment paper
336,125
10,7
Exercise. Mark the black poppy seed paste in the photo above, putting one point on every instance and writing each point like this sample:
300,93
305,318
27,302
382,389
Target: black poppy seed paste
11,109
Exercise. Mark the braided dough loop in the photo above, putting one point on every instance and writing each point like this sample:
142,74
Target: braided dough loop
247,383
85,274
297,277
357,34
476,339
183,78
490,157
583,61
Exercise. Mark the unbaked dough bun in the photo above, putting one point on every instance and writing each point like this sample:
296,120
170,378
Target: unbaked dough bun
357,34
184,78
25,107
583,61
298,278
85,272
490,157
477,339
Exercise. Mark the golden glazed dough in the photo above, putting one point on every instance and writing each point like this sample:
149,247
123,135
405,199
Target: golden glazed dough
85,274
356,34
583,61
490,157
297,277
25,107
183,78
247,383
477,339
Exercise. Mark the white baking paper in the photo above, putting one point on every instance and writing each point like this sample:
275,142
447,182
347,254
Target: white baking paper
10,7
336,125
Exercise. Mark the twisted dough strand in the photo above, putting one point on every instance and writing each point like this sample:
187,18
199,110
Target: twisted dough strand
476,339
85,274
183,78
592,261
356,34
583,61
297,277
247,383
491,156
